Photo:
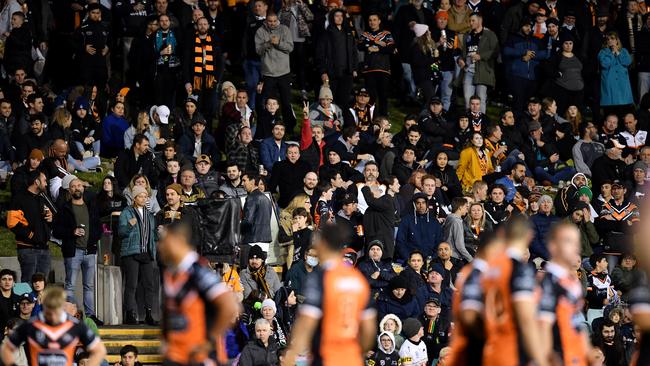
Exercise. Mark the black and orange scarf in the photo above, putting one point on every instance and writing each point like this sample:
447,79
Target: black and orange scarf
204,63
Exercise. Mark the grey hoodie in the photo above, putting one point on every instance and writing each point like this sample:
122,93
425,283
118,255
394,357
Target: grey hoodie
275,58
453,234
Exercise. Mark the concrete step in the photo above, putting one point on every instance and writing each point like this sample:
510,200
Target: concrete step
144,359
129,333
145,338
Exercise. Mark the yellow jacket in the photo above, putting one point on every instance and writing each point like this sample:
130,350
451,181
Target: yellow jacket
470,168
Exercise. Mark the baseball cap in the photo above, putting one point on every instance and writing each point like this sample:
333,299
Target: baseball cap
361,91
27,297
617,183
204,158
163,114
434,300
618,142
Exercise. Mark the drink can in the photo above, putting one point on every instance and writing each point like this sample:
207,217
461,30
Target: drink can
261,169
360,230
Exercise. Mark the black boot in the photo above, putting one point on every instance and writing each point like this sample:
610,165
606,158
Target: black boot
131,318
149,319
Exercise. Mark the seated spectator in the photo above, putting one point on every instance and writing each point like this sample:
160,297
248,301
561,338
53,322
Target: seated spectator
479,192
625,274
326,114
191,192
138,159
567,197
129,356
297,275
198,141
634,137
26,306
377,271
334,165
418,230
513,180
397,300
232,187
414,272
589,238
475,225
497,210
142,126
347,148
261,350
446,174
208,180
454,231
242,151
609,340
38,286
392,324
542,223
172,175
615,217
278,333
638,182
474,162
403,167
273,149
113,128
385,353
141,180
450,264
587,149
610,166
435,289
433,122
414,350
437,327
600,291
259,276
543,158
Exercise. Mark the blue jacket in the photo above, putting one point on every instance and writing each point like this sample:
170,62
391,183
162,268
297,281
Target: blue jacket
386,272
270,153
421,232
406,308
426,292
113,129
516,48
510,187
615,86
208,145
541,226
130,235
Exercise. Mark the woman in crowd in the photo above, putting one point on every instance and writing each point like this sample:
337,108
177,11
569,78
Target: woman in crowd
295,225
475,224
140,180
142,125
497,210
446,174
474,162
568,84
138,235
186,117
574,117
423,53
278,332
615,89
87,132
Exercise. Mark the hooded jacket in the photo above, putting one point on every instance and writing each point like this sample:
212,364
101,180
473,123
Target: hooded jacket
421,232
406,307
397,334
275,58
384,357
566,198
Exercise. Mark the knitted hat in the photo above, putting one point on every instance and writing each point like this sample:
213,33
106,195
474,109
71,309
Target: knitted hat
420,29
138,190
640,165
411,327
437,267
81,103
442,14
270,304
65,181
256,252
175,187
398,282
325,93
584,190
376,243
37,154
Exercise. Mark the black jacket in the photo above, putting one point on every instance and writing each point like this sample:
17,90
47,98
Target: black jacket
605,168
126,166
25,220
328,49
402,30
65,225
186,214
256,224
288,178
18,50
255,354
379,220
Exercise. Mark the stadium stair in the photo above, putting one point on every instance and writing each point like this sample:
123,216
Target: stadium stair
145,338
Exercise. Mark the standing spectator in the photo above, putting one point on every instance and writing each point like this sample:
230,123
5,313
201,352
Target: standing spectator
175,210
378,46
259,276
18,46
274,44
418,230
77,225
447,44
168,61
615,88
610,166
297,16
256,223
380,218
454,231
287,175
136,160
642,58
628,24
252,63
336,56
423,51
600,291
476,224
29,218
477,60
113,128
137,229
474,162
566,75
243,152
312,143
93,47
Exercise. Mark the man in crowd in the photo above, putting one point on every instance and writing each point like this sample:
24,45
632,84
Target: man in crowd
175,210
256,221
287,175
137,160
9,301
233,187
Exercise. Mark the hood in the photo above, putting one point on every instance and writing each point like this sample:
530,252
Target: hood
394,318
392,338
577,175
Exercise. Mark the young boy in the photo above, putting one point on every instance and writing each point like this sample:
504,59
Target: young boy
413,351
128,356
38,285
324,213
386,353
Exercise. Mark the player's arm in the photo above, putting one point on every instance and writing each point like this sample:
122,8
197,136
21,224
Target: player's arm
11,343
472,306
368,330
227,309
546,316
8,352
525,308
305,326
97,353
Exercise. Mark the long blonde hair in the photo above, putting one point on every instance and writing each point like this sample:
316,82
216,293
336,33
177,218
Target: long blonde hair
136,177
62,117
612,35
426,43
298,202
468,217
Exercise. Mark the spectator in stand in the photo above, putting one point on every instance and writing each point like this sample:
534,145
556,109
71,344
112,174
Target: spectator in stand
497,210
615,88
635,138
436,288
262,349
378,272
544,159
129,356
87,133
474,162
398,300
144,126
251,60
422,54
258,276
378,45
542,223
600,291
274,43
567,83
208,180
141,180
477,60
175,210
616,217
460,16
589,238
301,231
37,137
137,229
233,187
446,174
415,271
326,114
19,181
77,225
29,218
136,160
272,149
113,128
362,115
300,270
476,224
414,350
242,151
609,340
454,230
312,145
191,192
437,327
256,221
198,142
18,46
9,300
287,175
419,230
625,274
166,43
610,166
450,264
386,353
514,180
379,219
587,149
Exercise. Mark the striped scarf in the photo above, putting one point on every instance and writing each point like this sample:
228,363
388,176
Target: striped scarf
143,224
204,63
631,30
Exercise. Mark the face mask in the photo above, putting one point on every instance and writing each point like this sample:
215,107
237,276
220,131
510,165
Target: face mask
312,261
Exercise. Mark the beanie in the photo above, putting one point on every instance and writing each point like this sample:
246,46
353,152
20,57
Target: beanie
138,190
398,282
411,327
269,303
325,93
584,191
256,252
437,267
176,188
420,29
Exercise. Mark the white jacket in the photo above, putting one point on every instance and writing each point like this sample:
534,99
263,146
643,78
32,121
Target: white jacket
412,354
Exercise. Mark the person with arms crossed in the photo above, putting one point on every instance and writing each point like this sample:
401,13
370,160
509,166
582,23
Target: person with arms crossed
337,319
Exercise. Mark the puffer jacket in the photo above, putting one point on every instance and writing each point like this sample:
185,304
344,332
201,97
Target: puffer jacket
541,225
255,354
303,16
130,235
516,48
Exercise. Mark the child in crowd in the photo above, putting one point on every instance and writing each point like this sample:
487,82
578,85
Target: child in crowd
386,355
392,324
413,352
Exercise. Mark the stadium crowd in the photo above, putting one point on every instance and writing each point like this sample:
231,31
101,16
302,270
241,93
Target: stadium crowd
535,111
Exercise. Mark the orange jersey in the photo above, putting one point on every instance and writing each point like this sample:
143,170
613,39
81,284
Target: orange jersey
561,304
189,291
339,296
508,279
465,349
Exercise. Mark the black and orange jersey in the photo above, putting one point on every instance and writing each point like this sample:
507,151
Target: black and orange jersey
507,280
561,303
639,301
466,349
339,296
52,345
189,289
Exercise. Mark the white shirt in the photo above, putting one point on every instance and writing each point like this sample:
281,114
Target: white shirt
413,355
